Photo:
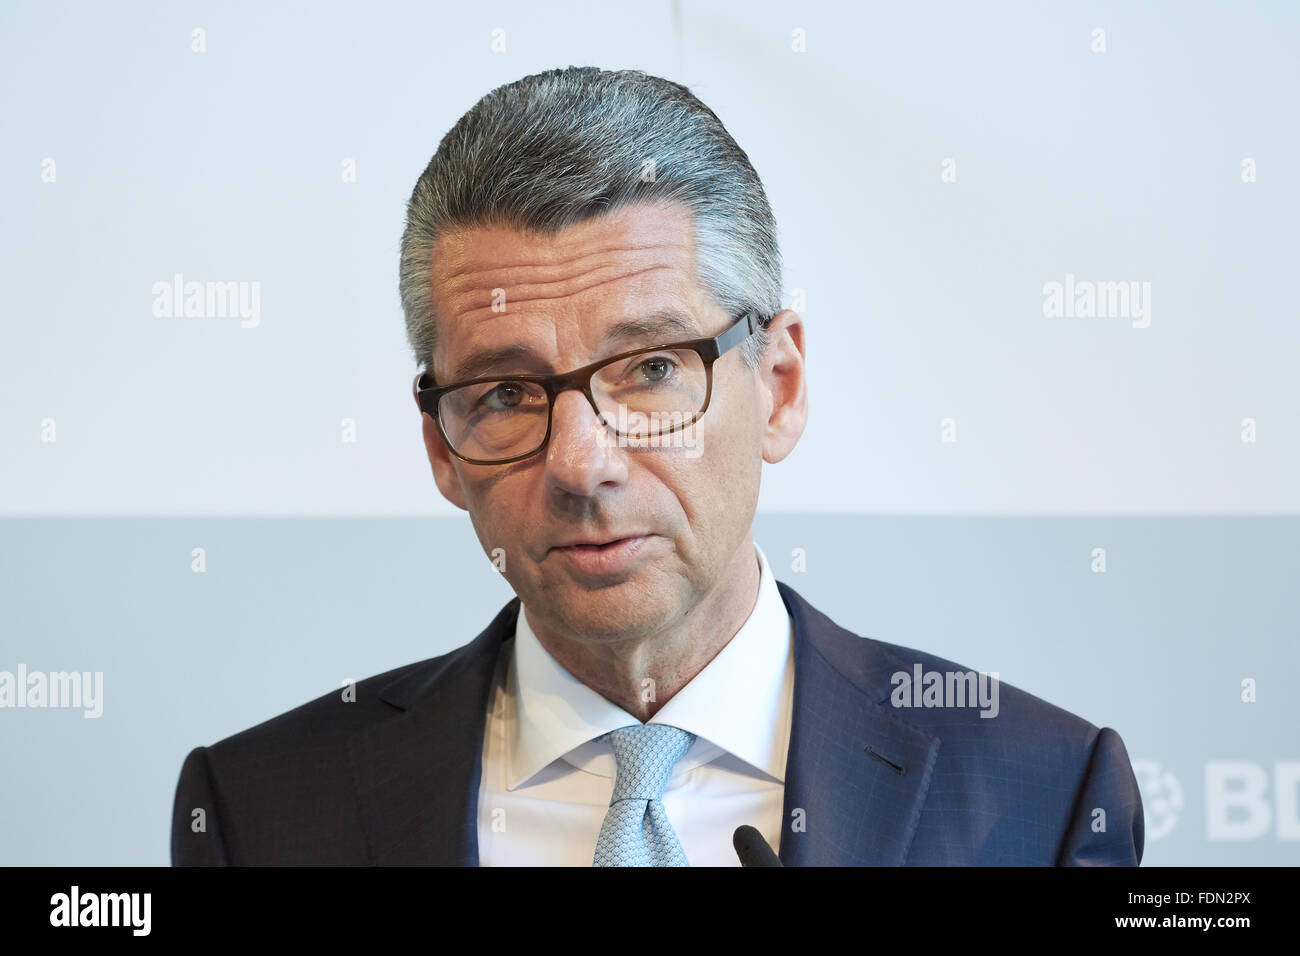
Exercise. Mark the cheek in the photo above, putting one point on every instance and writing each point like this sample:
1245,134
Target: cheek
497,508
731,436
733,452
716,488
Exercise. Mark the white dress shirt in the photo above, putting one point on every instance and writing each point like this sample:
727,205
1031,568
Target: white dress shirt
546,781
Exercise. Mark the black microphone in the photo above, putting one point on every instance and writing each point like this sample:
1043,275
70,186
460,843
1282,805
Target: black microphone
752,849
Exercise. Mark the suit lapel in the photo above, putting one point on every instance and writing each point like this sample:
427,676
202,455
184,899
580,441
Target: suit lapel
857,774
417,774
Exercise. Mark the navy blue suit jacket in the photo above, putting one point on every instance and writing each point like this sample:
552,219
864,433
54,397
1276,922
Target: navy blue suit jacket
393,777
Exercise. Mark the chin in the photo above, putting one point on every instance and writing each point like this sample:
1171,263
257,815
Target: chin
609,613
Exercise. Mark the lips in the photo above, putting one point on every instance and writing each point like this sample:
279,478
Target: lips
597,565
594,543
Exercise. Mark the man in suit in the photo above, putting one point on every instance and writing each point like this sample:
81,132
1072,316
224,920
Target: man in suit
591,281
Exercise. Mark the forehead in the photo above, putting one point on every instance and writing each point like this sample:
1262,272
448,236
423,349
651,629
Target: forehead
557,295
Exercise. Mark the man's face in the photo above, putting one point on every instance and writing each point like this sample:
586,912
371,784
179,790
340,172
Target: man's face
693,507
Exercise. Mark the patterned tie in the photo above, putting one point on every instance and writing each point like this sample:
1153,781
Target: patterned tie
636,831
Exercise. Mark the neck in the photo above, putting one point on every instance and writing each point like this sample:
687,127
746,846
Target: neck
670,658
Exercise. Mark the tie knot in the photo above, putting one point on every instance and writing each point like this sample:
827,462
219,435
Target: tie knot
645,755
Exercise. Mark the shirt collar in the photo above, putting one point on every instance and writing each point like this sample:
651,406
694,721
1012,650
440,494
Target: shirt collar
739,703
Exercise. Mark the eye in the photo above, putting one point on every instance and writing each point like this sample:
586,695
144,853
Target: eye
656,369
503,396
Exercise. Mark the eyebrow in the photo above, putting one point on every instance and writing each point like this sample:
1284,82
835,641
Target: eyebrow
661,323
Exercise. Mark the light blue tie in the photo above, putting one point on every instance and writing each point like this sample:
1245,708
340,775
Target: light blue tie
636,831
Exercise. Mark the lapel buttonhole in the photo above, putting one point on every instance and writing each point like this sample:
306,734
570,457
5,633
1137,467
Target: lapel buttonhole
897,768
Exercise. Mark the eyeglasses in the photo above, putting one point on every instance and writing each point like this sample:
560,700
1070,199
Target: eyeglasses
640,395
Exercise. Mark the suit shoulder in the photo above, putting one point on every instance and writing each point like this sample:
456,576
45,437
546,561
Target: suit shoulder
329,719
884,670
998,709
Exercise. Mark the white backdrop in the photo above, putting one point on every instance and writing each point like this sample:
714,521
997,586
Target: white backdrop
932,168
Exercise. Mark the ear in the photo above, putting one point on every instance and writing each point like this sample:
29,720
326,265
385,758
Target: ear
781,374
440,459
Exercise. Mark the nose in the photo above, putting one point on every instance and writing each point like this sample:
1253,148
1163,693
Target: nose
582,453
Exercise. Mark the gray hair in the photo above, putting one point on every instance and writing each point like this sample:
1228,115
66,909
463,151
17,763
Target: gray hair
560,147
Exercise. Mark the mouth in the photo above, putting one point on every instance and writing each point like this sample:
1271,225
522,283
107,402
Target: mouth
595,546
591,560
586,546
